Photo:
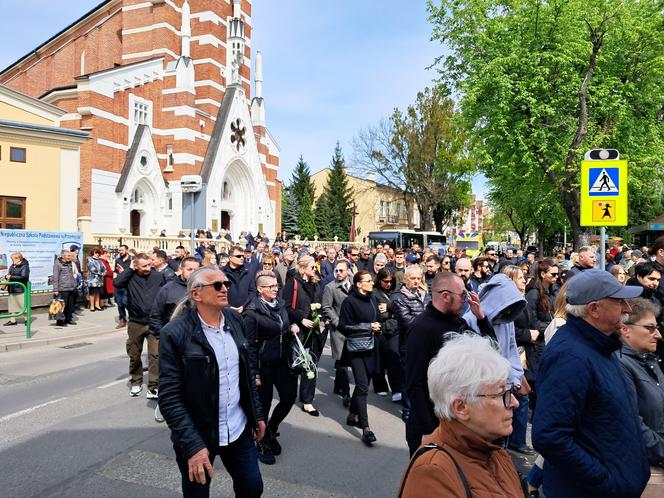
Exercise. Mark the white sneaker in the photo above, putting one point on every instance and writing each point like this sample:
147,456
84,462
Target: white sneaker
157,415
396,397
152,394
135,391
382,393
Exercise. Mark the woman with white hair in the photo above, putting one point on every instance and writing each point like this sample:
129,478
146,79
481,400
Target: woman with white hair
468,384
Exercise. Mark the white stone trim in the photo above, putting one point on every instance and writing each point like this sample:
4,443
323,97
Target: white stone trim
182,158
150,53
209,61
72,116
271,166
208,16
181,110
169,91
208,39
262,157
270,184
113,145
137,6
151,27
182,134
84,111
207,101
211,83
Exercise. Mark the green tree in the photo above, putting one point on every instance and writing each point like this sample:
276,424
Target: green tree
542,82
423,153
322,217
307,223
290,212
339,198
301,183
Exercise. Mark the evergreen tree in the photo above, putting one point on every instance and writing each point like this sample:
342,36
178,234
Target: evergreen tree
307,224
290,212
301,182
339,197
321,215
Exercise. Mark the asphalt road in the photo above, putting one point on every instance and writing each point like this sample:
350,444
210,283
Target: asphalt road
68,428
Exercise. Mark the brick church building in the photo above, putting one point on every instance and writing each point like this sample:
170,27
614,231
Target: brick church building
163,87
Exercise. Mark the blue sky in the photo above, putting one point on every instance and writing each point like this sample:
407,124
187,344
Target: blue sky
330,68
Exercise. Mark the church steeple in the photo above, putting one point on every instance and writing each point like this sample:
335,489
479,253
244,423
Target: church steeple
235,46
257,103
184,69
185,30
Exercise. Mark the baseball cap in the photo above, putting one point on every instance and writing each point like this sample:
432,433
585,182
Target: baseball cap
411,258
594,285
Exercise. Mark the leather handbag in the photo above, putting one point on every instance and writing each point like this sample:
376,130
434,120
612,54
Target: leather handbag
360,342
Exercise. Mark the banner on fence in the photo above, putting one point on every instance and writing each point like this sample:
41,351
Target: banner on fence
40,249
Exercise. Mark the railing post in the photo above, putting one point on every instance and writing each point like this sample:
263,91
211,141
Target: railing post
27,303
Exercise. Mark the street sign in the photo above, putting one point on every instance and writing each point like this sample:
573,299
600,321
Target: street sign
604,193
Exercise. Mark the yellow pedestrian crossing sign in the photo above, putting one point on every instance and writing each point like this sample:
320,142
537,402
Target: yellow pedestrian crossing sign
604,193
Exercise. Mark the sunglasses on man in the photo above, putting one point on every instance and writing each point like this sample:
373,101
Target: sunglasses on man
218,285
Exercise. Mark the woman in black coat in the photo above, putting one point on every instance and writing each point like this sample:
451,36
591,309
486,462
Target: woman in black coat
388,340
269,334
19,271
299,293
359,314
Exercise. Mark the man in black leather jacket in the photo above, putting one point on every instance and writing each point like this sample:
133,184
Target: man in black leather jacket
208,395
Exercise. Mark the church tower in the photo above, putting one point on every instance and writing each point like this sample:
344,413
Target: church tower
235,46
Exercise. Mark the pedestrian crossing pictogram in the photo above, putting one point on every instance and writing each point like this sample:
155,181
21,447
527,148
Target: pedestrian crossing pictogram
604,182
604,210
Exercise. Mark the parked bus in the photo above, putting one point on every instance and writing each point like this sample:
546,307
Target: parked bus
470,241
406,239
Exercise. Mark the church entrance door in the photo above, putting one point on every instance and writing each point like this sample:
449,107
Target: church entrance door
135,222
225,220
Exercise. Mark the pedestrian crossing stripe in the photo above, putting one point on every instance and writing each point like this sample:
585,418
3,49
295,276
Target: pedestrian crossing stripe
605,210
604,182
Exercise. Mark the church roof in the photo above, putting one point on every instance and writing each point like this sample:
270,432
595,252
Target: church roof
131,155
55,36
219,127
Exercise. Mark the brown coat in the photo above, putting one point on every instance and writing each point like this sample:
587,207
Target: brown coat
487,467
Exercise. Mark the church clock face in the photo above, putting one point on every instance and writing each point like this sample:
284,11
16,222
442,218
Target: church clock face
238,132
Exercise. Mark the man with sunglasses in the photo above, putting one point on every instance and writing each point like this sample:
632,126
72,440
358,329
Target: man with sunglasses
208,392
241,278
426,335
586,425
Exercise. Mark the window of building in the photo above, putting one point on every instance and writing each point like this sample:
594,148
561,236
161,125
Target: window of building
17,154
137,196
169,202
382,208
398,210
12,212
140,112
388,205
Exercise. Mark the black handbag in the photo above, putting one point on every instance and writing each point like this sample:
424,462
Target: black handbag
360,342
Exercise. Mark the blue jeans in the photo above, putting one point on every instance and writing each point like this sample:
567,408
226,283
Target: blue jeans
241,462
519,423
121,301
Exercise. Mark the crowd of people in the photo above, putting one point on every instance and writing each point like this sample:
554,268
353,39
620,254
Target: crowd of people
474,350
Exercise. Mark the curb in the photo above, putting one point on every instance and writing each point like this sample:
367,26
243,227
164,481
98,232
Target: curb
32,343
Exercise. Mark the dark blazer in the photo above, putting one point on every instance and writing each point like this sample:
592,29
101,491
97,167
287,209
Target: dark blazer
243,285
357,314
141,291
189,382
167,299
267,331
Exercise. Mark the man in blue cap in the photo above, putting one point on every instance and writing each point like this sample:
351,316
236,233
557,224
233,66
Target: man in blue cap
586,424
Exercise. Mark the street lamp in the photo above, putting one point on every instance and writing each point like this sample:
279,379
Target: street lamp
190,184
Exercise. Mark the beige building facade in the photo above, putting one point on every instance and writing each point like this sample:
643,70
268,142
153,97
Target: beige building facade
377,206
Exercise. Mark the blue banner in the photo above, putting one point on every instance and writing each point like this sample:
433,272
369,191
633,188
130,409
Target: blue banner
40,249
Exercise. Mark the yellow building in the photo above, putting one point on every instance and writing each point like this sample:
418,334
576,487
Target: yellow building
377,206
39,165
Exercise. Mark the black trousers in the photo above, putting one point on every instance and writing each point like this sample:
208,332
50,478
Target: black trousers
69,298
315,343
341,382
390,360
277,375
358,402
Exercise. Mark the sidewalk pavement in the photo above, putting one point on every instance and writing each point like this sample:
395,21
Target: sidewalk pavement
44,331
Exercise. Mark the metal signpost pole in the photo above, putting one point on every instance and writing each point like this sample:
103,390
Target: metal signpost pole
602,249
193,221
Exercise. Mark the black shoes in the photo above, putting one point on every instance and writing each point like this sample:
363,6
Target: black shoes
271,440
265,454
523,449
368,438
9,324
313,413
346,400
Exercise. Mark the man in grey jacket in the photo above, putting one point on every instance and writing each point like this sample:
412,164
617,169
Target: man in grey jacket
334,294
